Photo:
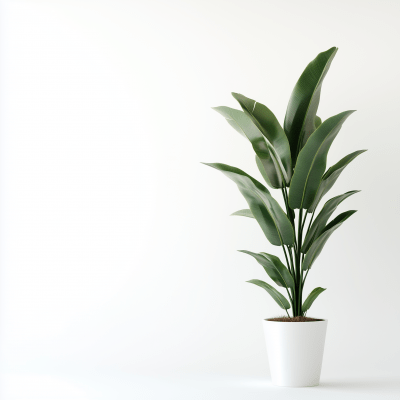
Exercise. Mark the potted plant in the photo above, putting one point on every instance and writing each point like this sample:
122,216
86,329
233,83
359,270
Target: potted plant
292,159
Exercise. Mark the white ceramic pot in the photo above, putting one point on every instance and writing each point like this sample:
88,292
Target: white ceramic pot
295,351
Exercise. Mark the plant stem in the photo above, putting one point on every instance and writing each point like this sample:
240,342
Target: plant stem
287,260
303,223
311,220
305,277
290,264
299,259
299,242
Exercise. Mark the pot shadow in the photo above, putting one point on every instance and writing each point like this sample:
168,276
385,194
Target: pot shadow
377,384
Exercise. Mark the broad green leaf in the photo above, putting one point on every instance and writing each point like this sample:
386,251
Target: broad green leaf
317,121
263,149
330,177
326,233
262,167
311,162
236,118
278,297
311,297
319,223
274,267
265,209
303,104
244,213
269,126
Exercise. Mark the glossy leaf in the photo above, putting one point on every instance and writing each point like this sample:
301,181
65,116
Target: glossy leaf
274,267
320,242
303,104
319,223
317,121
278,297
243,213
330,177
269,126
262,168
236,118
311,162
264,150
265,209
311,297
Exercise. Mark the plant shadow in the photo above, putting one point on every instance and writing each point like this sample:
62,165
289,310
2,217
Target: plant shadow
377,384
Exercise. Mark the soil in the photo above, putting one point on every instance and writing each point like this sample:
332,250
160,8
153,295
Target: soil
295,319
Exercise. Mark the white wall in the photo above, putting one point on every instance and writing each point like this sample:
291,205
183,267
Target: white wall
117,250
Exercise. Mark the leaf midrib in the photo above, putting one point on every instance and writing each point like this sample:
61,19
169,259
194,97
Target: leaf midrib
309,104
318,246
313,160
277,270
260,128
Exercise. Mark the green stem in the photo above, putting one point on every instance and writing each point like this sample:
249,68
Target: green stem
303,222
295,279
305,277
302,280
290,264
299,241
287,260
299,275
311,221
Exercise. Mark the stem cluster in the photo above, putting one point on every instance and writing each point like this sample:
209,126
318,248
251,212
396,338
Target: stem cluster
293,255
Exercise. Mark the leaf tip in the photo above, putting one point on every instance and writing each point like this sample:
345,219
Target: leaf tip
212,165
332,50
236,95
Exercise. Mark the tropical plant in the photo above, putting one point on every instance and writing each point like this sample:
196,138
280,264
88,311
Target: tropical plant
292,159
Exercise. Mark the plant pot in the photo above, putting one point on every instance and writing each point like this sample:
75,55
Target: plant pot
295,351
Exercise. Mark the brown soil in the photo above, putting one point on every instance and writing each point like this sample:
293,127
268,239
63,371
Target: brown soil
295,319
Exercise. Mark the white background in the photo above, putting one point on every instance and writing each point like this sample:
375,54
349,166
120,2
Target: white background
118,256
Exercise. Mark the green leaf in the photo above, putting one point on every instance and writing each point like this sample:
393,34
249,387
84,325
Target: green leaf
311,297
278,297
326,233
263,168
236,118
269,126
317,121
263,149
274,267
311,162
330,177
244,213
263,172
319,223
303,104
265,209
